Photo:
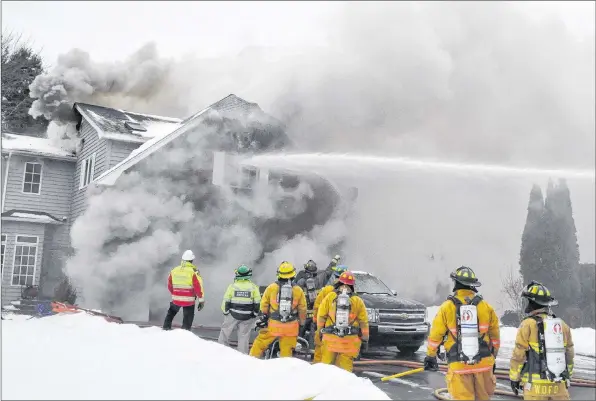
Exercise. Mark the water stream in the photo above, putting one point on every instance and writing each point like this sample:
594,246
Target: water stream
353,164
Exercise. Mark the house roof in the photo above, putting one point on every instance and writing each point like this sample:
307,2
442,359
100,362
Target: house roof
230,103
112,123
35,146
30,216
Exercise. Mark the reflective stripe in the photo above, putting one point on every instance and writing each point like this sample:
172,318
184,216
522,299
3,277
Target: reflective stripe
496,342
433,344
242,312
182,298
473,370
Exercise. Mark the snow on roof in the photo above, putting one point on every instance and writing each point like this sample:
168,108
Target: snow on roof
111,123
34,146
31,216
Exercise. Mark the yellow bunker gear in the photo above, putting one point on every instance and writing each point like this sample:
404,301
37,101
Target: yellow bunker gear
341,351
480,382
318,344
287,332
525,361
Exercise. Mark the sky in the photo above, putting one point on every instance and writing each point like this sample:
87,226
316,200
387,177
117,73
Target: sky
113,30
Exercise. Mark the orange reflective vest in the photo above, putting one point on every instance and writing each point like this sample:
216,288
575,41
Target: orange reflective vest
185,284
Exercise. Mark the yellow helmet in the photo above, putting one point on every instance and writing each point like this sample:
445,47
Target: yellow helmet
286,270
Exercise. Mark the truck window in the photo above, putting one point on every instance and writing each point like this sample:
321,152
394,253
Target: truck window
368,284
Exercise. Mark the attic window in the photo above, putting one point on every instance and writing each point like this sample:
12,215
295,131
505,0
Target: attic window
134,126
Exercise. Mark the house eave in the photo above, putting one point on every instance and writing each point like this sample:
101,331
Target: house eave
39,154
28,220
110,177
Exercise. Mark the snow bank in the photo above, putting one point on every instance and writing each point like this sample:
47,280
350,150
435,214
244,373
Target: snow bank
584,338
84,357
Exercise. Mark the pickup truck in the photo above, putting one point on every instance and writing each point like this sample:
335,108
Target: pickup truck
394,321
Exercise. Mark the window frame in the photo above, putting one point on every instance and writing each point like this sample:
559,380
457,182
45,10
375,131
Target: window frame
84,172
25,174
4,244
14,259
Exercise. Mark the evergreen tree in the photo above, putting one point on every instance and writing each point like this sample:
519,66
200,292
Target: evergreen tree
561,254
532,246
587,276
20,65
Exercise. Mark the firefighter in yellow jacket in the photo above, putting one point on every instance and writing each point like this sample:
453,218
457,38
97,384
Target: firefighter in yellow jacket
343,322
337,271
283,311
542,360
468,327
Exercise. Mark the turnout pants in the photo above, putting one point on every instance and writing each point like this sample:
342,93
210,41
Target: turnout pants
264,340
555,391
244,328
188,317
471,386
318,347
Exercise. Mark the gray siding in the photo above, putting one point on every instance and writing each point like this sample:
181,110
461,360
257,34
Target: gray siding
92,144
3,174
119,151
56,186
11,229
56,251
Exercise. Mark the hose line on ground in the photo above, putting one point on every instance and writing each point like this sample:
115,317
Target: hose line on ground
499,373
443,394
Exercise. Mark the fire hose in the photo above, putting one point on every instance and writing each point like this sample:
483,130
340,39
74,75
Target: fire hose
442,393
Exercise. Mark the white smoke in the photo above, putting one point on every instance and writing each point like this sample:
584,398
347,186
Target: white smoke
472,82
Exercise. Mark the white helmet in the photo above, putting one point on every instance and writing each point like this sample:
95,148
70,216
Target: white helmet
188,255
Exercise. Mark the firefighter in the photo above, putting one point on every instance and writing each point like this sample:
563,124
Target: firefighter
283,311
240,307
468,327
343,322
542,360
186,286
306,280
323,292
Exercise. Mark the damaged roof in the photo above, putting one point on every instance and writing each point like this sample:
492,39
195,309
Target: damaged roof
31,217
35,146
230,104
121,125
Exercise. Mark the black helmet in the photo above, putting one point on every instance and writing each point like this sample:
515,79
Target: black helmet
310,266
465,276
538,293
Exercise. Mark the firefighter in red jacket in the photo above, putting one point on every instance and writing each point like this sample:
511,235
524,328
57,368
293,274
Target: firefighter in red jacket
186,286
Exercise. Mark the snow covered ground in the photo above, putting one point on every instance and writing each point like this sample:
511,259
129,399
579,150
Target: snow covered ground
84,357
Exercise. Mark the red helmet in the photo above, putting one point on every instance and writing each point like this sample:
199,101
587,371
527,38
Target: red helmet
347,278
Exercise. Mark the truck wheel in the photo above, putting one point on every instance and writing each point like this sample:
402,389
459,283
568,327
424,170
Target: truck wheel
408,350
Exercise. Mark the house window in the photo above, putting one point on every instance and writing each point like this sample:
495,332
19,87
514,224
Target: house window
25,255
87,171
3,250
32,178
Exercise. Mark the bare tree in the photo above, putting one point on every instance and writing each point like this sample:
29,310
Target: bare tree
513,285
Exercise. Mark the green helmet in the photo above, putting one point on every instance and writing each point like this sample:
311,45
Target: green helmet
243,272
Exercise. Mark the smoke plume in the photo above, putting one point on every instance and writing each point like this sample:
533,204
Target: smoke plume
469,82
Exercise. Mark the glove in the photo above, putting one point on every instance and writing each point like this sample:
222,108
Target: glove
364,345
515,387
430,363
200,306
262,321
